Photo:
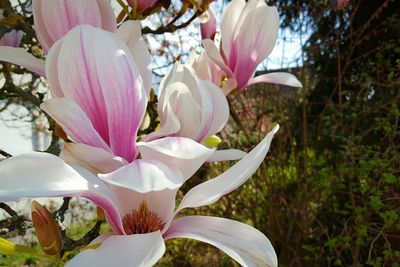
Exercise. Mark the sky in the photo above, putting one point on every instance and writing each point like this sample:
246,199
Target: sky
15,137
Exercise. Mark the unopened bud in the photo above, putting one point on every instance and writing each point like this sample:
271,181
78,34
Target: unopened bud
47,230
208,27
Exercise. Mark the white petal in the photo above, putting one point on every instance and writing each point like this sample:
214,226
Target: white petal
20,57
130,32
245,244
277,78
95,159
146,180
220,108
184,153
44,175
144,176
227,154
38,175
229,18
123,250
212,190
213,52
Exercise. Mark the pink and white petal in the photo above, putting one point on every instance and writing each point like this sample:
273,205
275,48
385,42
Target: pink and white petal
65,15
123,91
227,154
146,180
187,155
108,20
94,159
229,18
245,244
74,121
40,26
211,191
123,250
78,76
283,78
51,68
257,41
19,56
130,32
145,176
214,54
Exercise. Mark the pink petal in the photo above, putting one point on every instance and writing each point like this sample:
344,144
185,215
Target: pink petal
209,28
74,121
123,250
245,244
255,40
277,78
184,153
12,38
94,159
20,57
66,14
102,78
211,191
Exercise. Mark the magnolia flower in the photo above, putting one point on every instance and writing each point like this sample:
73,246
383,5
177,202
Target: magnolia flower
208,26
248,35
139,203
190,107
52,26
53,19
193,108
12,38
100,81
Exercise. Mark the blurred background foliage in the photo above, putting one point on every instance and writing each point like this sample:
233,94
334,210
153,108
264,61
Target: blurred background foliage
328,193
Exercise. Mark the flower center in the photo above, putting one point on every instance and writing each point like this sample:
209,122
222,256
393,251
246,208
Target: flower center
142,221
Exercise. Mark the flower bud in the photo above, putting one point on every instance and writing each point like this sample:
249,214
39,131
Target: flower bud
208,28
47,230
190,107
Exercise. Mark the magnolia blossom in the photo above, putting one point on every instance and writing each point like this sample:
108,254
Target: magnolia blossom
190,107
208,25
53,19
52,26
248,35
139,202
12,38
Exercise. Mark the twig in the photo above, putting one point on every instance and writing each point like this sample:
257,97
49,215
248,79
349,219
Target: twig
59,214
5,154
171,27
70,244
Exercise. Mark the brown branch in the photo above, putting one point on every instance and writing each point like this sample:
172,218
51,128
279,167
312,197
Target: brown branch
5,154
171,27
70,244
